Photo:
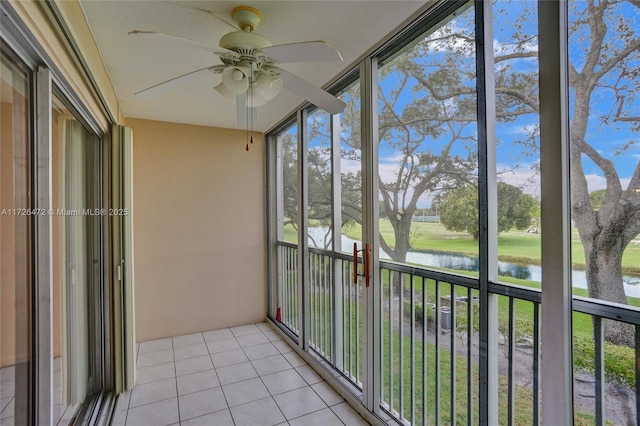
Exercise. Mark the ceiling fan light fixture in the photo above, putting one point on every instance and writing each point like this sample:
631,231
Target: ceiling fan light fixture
222,89
268,86
235,79
255,98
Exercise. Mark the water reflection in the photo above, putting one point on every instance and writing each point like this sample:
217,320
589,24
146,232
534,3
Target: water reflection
462,262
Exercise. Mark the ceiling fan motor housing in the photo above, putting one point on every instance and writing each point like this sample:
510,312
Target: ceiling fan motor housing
245,43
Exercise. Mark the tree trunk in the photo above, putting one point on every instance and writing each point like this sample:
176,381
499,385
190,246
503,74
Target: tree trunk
604,280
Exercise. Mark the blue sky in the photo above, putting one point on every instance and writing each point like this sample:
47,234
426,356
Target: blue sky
517,19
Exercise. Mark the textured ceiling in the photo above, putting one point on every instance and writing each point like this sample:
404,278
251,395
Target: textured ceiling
135,63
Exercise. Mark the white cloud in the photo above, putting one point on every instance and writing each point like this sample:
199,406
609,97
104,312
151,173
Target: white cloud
524,129
523,176
500,48
595,182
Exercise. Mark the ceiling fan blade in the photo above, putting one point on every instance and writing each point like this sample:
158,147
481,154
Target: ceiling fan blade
173,83
246,115
306,51
175,39
197,9
313,94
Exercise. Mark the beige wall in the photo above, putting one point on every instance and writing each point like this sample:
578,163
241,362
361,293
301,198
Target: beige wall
198,229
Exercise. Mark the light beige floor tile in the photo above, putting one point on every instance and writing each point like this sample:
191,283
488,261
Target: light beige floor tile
223,345
324,417
154,373
154,358
260,351
245,329
299,402
294,359
327,393
193,365
264,326
196,382
309,374
212,336
188,340
155,345
152,392
263,412
158,413
283,381
224,359
123,401
252,340
191,351
200,403
271,335
282,346
193,379
246,391
219,418
270,364
348,415
236,373
119,418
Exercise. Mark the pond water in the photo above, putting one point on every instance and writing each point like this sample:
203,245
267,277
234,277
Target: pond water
467,263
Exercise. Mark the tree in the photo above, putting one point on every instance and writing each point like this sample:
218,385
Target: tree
596,198
606,66
604,70
459,209
427,116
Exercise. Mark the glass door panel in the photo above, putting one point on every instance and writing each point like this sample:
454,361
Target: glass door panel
15,242
348,312
428,216
320,233
76,259
287,228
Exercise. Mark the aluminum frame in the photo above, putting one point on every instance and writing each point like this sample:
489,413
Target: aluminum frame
303,241
557,380
370,217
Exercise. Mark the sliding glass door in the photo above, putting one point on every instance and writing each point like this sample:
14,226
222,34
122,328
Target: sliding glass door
16,261
77,225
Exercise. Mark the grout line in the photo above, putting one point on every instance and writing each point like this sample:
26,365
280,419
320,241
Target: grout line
268,390
175,372
215,371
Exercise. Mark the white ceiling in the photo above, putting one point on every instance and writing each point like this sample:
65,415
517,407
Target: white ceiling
135,63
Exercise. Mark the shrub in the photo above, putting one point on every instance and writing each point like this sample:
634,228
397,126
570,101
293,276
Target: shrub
619,360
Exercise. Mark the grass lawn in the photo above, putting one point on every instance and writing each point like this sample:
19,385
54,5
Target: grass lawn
619,361
405,374
513,246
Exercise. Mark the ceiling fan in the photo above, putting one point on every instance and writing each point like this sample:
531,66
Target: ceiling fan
249,71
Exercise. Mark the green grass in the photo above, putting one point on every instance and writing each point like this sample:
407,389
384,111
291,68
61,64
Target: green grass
619,361
397,382
513,246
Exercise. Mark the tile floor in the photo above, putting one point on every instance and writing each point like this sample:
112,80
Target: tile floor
239,376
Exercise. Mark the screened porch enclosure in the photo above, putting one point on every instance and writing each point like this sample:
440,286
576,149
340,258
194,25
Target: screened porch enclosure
455,160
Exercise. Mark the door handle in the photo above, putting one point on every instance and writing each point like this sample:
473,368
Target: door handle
366,264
